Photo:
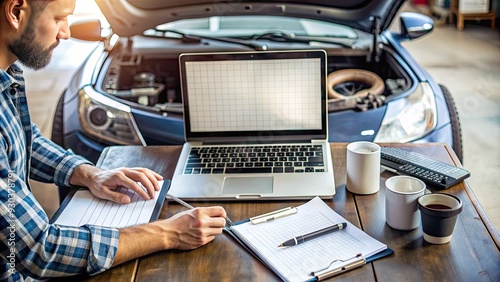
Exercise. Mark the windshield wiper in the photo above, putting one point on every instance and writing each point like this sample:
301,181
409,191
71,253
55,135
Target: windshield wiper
198,38
280,36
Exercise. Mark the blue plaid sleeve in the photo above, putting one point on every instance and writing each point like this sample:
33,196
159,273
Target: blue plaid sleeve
51,163
31,247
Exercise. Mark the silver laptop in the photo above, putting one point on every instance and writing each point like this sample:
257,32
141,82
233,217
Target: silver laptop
255,127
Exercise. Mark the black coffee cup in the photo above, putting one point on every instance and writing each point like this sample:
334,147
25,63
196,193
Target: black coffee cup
439,213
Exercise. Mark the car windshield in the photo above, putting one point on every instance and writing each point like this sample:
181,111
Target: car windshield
247,26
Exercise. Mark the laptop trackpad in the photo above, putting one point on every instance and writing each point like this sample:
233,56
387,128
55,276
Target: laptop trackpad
248,185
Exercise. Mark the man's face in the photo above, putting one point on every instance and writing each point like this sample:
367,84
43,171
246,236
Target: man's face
31,52
41,35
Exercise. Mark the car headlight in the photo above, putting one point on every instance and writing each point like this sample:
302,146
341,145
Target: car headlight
410,118
107,119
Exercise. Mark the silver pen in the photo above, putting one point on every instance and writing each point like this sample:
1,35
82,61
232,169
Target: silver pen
170,196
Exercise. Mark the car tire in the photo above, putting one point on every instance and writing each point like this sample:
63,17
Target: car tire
57,124
456,129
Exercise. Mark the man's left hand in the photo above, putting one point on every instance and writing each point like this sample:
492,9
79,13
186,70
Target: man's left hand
103,183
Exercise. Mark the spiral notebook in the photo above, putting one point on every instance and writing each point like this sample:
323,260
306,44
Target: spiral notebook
324,256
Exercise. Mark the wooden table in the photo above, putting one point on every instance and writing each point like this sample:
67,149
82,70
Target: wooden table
472,255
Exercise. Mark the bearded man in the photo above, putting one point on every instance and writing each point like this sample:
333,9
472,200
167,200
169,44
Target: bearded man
31,247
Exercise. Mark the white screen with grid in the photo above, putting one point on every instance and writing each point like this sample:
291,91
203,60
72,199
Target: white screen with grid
254,95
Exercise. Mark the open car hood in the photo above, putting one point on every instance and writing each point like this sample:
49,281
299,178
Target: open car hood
133,17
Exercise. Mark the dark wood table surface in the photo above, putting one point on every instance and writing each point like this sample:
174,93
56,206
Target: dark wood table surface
472,255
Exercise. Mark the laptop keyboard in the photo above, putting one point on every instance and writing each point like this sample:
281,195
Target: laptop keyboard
256,159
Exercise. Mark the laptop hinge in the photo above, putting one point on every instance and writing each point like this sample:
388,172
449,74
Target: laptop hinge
197,143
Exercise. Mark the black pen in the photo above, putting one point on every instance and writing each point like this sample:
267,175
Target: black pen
302,238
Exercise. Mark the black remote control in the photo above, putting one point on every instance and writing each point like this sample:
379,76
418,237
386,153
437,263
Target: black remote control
431,171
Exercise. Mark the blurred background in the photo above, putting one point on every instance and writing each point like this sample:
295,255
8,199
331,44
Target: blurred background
467,62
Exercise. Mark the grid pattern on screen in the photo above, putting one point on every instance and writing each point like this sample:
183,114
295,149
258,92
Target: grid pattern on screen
254,95
336,245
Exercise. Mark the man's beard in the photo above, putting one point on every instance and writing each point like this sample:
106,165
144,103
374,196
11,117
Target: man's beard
29,52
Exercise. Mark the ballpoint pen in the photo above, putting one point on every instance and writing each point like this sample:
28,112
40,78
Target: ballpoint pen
302,238
228,221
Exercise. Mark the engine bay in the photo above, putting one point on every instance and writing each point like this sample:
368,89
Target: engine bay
152,81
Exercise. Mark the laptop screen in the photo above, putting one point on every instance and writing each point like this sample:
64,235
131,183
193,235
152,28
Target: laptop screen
279,95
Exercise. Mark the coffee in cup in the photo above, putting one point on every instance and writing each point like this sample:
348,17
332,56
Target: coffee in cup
439,213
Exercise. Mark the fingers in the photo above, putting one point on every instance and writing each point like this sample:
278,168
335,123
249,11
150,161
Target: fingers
212,219
196,227
148,179
128,178
216,212
146,194
142,181
213,224
152,176
116,197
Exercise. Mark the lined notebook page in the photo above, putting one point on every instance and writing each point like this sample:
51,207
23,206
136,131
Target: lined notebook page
85,208
296,263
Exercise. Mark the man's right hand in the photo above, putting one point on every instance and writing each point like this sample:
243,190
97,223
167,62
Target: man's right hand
193,228
184,231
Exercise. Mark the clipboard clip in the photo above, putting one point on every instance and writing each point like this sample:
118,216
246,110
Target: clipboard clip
357,261
273,215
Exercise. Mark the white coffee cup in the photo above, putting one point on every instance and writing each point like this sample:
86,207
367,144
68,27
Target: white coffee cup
363,167
401,206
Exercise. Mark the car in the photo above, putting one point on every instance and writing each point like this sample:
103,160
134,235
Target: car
128,91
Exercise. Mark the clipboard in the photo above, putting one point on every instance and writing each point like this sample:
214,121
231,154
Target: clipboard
264,253
80,202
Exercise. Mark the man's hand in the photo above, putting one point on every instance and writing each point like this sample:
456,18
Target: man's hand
102,183
184,231
193,228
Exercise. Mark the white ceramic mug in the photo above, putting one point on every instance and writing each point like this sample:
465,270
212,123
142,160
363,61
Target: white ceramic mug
401,206
363,167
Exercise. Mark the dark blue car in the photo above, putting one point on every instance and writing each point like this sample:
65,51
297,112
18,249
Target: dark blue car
128,90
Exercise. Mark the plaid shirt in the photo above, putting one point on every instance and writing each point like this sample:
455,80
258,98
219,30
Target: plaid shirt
29,245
